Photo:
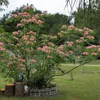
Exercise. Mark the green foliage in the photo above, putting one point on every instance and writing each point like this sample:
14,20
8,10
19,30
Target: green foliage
89,18
53,22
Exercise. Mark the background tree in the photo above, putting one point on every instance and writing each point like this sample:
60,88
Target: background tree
3,2
89,19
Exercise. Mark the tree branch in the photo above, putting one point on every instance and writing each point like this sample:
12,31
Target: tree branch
71,69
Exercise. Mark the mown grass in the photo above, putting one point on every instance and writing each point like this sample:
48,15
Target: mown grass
85,86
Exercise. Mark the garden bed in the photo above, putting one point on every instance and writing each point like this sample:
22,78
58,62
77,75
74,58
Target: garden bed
43,92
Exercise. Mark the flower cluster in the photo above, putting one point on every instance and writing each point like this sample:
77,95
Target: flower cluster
1,46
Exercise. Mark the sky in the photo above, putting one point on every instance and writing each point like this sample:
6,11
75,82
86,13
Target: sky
52,6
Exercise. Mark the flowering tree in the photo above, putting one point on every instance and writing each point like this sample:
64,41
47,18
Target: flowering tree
38,55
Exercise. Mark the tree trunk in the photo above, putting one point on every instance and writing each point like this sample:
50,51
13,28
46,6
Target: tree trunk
19,89
10,90
71,76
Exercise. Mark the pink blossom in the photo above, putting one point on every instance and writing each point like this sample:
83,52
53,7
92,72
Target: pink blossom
64,26
31,32
80,30
70,44
22,60
39,22
21,65
71,52
60,47
39,48
90,37
92,46
32,38
15,33
47,51
98,49
58,51
2,49
71,27
86,33
27,7
34,19
25,38
1,43
85,53
62,53
49,56
18,25
33,61
14,15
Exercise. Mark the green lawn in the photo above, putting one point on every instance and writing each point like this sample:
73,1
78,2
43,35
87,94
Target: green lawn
84,87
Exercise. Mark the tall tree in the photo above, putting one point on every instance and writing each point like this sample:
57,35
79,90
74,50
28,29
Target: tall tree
2,3
89,19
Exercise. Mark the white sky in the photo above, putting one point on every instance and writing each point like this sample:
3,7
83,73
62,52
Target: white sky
52,6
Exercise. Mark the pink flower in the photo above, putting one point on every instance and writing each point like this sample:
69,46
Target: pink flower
71,52
32,38
31,32
60,47
86,33
71,27
1,43
64,26
33,61
21,65
15,33
14,15
92,46
90,37
70,44
39,48
98,49
47,51
39,22
25,38
80,30
18,25
2,49
49,56
85,53
27,7
22,60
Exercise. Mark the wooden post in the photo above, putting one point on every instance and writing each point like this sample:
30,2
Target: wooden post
2,91
19,89
9,90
